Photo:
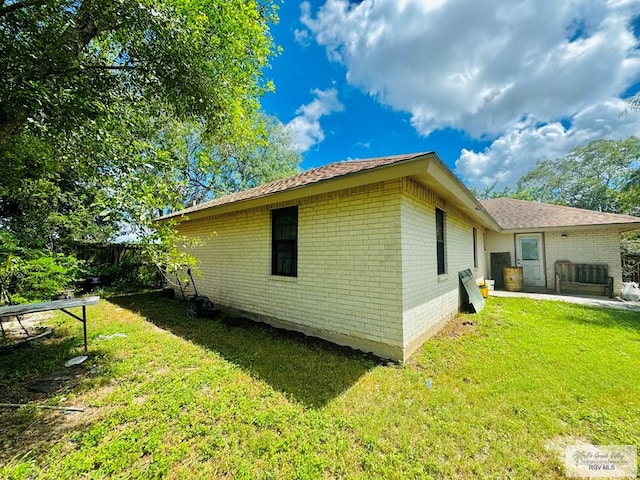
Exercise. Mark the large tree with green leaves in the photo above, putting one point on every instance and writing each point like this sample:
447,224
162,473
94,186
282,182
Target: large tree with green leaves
66,62
598,176
208,170
180,166
86,86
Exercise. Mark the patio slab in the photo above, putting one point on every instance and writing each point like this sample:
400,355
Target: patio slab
593,301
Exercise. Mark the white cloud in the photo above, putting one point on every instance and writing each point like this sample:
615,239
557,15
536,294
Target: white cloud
516,151
305,128
302,37
490,68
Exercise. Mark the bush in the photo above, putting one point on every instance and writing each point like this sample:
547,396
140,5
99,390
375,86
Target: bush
131,275
30,274
46,276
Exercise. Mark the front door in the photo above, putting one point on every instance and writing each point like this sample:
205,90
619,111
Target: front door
529,257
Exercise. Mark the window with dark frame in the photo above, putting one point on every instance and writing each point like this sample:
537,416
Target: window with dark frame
475,248
284,242
440,241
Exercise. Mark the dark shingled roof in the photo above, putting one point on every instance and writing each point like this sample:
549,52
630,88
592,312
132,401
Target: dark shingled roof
518,214
308,177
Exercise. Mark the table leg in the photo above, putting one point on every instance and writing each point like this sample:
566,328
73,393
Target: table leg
84,326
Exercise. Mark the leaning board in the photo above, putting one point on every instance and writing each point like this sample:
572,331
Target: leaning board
473,291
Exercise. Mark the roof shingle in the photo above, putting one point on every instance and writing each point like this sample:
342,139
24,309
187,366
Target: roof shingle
308,177
511,213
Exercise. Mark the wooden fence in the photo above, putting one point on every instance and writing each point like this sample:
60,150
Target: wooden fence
109,254
118,263
631,267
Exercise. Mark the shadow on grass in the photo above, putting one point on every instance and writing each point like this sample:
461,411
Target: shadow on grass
21,365
28,428
308,370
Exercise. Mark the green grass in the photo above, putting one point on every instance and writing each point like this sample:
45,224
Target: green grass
198,399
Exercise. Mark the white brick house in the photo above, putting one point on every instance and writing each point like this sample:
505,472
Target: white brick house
362,253
347,252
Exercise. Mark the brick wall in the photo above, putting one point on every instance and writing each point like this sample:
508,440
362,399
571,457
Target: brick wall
580,246
348,288
585,246
429,299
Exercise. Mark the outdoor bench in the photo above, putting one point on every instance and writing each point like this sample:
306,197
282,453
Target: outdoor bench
583,278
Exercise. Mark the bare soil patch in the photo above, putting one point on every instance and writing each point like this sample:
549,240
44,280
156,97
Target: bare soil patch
457,327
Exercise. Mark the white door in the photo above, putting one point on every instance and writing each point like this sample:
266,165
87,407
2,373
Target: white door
529,257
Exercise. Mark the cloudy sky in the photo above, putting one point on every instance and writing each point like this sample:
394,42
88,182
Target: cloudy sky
491,85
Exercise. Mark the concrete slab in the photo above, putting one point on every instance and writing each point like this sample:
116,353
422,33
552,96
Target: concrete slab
592,301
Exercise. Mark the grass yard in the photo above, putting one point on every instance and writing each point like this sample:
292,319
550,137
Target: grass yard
199,399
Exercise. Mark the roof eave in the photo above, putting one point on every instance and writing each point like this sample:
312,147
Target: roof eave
408,167
439,178
427,168
621,227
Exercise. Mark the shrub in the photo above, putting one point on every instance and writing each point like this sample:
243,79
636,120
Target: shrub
131,275
31,274
45,276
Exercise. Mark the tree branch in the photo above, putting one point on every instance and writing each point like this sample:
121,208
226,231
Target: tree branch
19,5
92,67
86,27
108,67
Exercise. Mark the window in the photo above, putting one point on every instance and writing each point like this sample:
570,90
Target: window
529,248
440,241
475,247
284,242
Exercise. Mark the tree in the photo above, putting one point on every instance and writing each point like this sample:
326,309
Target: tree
206,170
491,192
598,176
630,194
85,88
87,84
66,62
58,187
179,166
633,104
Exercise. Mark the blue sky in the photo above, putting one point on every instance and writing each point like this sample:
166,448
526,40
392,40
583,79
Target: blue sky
491,86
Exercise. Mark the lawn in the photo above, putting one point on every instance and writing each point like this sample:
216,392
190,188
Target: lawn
200,399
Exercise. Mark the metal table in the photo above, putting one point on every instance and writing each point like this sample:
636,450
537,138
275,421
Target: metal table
63,305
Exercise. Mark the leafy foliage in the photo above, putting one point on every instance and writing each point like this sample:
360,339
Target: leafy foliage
46,275
633,104
491,192
67,62
206,170
27,274
598,176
